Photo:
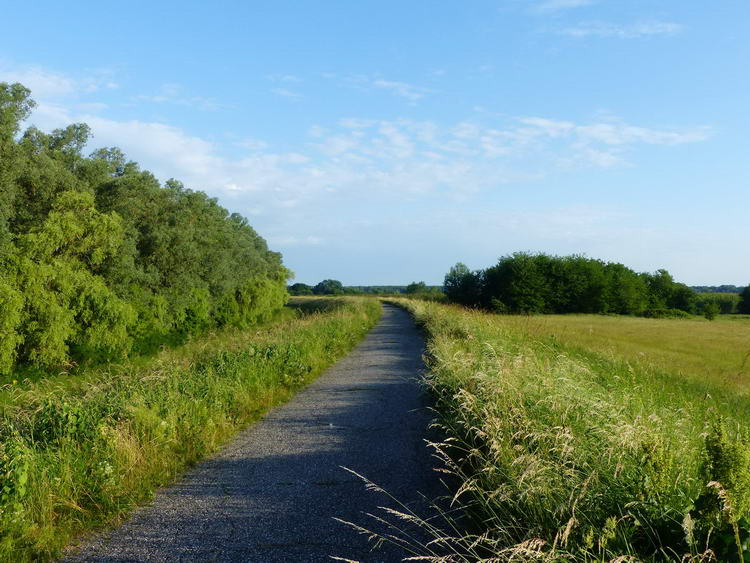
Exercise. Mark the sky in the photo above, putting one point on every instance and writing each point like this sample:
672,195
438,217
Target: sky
381,142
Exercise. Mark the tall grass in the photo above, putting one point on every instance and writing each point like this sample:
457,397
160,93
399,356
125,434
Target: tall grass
77,453
566,454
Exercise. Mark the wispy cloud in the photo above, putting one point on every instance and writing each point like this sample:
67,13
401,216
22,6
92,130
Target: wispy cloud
553,6
280,77
286,93
49,84
355,164
172,93
410,92
402,89
631,31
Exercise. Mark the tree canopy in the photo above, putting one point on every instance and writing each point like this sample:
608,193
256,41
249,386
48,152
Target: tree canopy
96,256
329,287
540,283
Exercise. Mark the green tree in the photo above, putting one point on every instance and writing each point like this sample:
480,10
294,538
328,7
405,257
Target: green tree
463,286
15,106
329,287
518,282
96,254
67,304
416,287
711,310
300,289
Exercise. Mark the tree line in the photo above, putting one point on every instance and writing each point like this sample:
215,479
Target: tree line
335,287
97,257
541,283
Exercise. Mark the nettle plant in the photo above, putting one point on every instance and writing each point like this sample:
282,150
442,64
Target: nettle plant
14,475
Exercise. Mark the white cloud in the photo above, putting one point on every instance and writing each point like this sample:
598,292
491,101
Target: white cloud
408,91
631,31
366,158
279,77
365,82
358,163
46,84
288,94
355,123
172,93
252,144
551,6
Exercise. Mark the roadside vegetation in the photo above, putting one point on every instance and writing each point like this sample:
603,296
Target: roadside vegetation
570,450
80,452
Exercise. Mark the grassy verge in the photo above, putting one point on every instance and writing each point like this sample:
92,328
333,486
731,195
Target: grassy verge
568,454
81,452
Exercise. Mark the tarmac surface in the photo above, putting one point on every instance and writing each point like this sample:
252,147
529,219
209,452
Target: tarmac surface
272,493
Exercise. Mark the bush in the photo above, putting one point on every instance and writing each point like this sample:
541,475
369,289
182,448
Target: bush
711,310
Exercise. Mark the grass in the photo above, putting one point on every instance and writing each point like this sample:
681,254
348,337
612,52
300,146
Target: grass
77,453
570,450
693,348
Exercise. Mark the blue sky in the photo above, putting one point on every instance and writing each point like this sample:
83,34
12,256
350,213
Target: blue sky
382,141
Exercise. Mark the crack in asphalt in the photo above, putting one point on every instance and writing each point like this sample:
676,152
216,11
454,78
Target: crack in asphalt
272,494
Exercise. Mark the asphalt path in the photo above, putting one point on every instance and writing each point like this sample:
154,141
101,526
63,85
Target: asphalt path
273,492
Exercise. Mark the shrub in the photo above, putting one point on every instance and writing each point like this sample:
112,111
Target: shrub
711,310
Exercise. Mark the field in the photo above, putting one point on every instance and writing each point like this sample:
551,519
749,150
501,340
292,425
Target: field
718,350
584,438
78,452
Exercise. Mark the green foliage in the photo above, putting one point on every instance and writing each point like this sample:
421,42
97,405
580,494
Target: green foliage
96,257
329,287
711,310
416,287
540,283
725,303
14,476
727,288
463,286
723,508
11,313
300,289
15,106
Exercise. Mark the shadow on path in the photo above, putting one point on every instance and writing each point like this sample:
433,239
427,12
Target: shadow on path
272,493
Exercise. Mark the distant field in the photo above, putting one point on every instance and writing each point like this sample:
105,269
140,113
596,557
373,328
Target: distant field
718,350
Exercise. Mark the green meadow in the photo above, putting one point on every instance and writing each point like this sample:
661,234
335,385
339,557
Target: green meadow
710,351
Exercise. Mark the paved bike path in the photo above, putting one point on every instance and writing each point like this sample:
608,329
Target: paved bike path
272,493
